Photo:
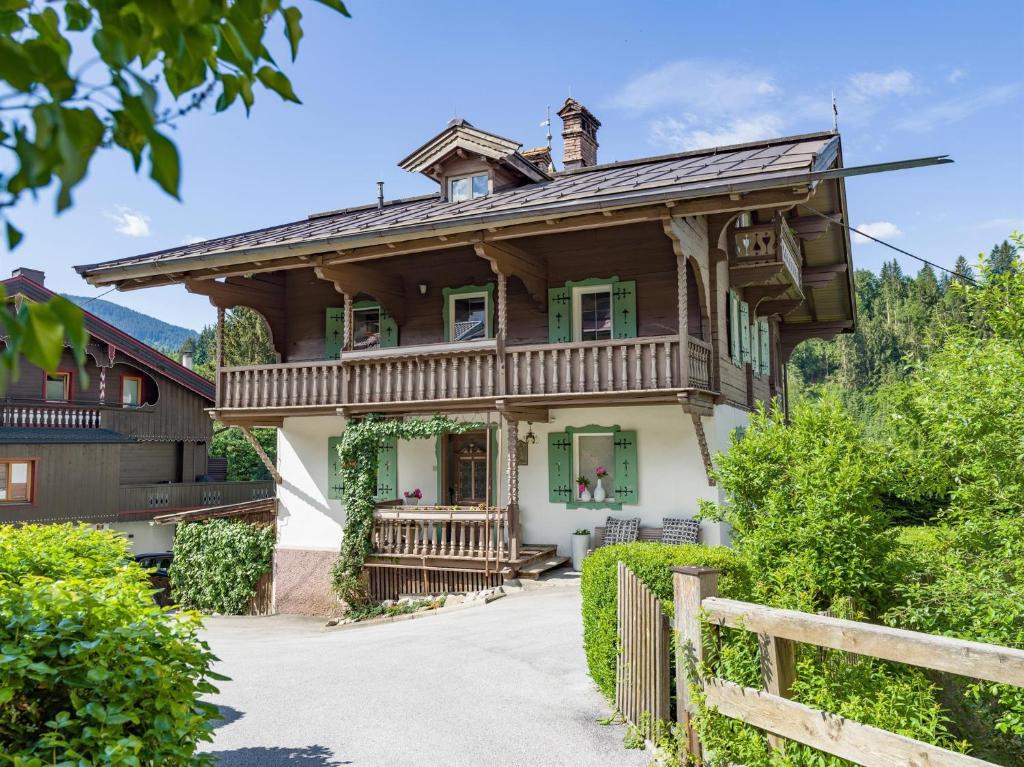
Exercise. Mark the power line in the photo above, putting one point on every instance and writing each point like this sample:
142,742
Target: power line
90,300
818,213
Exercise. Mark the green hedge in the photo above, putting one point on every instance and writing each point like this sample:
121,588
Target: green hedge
217,564
652,563
91,670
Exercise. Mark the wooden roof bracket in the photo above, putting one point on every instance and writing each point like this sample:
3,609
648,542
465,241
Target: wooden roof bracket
697,406
264,297
508,259
529,413
261,453
352,279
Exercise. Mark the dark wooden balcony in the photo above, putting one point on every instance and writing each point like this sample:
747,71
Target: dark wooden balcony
191,495
766,254
469,372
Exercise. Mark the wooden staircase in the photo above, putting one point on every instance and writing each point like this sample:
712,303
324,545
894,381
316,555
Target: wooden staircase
535,560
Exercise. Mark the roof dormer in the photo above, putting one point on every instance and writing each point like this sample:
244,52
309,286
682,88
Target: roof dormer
469,163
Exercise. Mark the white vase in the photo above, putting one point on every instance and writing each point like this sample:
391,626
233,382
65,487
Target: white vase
599,495
580,547
585,494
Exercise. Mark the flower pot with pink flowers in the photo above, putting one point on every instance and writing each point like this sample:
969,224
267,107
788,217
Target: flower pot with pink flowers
583,486
412,497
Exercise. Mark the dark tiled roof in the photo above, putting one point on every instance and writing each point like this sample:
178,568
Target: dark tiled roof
144,354
678,176
61,436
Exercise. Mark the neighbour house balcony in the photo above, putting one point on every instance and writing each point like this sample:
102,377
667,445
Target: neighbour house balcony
766,254
192,495
475,370
37,414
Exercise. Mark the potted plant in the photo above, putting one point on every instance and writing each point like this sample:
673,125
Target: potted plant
580,547
583,485
412,497
601,473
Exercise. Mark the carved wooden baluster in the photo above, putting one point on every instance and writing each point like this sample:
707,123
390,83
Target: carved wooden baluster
581,358
594,372
609,380
638,382
464,364
477,375
421,383
515,372
667,351
653,351
529,373
444,378
409,372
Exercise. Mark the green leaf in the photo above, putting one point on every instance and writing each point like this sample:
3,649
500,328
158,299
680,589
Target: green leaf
166,170
336,5
293,29
277,82
43,341
14,236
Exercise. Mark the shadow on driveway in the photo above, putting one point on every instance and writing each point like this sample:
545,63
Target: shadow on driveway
311,756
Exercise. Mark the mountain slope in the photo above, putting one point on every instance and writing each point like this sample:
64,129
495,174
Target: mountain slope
157,333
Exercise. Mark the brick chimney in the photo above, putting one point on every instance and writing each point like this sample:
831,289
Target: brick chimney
33,275
579,135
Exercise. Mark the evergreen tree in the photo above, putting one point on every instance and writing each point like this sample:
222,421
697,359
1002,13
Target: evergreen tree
1002,258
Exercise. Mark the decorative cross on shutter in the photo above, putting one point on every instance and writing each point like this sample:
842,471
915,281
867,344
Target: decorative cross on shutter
387,472
627,486
559,467
624,309
334,332
559,315
744,332
334,474
388,330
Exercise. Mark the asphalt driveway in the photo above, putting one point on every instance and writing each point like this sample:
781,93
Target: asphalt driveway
502,685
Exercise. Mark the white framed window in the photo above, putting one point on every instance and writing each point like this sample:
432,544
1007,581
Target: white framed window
592,313
592,451
461,188
366,328
16,481
58,386
469,315
131,390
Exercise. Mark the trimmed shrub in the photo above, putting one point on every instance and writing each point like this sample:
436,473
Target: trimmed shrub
91,670
217,564
652,563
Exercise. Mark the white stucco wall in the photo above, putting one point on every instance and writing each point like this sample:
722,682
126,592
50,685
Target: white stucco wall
306,519
671,474
146,538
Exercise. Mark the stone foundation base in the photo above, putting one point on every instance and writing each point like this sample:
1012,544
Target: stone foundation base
302,582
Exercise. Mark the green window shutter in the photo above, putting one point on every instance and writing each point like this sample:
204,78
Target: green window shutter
755,346
388,330
559,315
744,332
627,487
334,476
560,467
387,472
764,336
624,309
733,309
334,332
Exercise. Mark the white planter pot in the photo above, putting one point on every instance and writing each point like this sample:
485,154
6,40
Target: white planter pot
411,501
580,546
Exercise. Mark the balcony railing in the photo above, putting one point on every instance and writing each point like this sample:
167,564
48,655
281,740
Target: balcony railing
442,532
469,370
766,244
189,495
50,415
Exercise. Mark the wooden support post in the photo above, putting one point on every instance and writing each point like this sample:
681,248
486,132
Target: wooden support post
347,342
778,671
219,362
690,586
502,331
684,322
251,438
512,458
702,443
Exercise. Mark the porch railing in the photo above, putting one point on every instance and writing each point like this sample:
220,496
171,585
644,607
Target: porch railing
442,531
185,495
468,371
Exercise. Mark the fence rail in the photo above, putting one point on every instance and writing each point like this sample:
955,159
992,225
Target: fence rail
642,678
778,631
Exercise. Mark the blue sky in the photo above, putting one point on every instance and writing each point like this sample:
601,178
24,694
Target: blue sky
911,79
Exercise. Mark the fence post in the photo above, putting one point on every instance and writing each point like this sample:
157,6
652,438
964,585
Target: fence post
778,671
690,586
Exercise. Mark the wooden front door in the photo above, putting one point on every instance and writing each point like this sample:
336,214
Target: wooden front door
466,469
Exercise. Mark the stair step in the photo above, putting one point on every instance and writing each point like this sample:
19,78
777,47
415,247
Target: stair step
541,566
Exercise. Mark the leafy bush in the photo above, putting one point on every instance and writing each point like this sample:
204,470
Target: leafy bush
244,464
91,670
217,564
652,563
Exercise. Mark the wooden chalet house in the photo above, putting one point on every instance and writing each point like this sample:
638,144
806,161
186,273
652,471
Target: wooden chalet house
626,315
131,443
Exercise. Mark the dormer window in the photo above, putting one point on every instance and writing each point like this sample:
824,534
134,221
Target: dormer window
462,188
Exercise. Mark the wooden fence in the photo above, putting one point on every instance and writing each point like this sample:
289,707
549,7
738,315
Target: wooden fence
778,631
642,677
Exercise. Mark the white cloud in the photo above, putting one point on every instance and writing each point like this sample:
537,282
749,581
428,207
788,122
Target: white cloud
130,223
955,76
958,109
701,87
684,134
883,230
1005,224
868,86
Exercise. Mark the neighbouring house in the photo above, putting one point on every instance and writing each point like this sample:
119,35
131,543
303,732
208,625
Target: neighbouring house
626,315
115,450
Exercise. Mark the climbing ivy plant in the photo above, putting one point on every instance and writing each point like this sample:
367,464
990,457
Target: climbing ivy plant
358,450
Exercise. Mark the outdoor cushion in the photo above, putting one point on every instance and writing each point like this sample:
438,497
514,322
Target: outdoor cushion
621,530
677,530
